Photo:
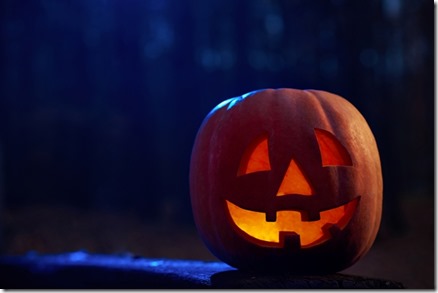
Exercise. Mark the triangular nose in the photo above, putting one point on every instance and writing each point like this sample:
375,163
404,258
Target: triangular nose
294,182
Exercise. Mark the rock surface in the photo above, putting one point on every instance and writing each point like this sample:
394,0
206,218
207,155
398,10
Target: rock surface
81,270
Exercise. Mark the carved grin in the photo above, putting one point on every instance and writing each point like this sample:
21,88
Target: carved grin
289,228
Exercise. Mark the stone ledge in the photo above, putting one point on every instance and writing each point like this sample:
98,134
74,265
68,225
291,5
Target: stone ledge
81,270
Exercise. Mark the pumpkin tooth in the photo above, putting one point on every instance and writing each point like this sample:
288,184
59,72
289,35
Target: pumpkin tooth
290,240
307,216
333,229
271,216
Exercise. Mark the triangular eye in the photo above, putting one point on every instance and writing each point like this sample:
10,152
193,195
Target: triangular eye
333,153
255,158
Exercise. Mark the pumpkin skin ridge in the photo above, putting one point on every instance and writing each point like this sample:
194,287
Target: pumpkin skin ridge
284,94
210,119
378,205
218,239
324,102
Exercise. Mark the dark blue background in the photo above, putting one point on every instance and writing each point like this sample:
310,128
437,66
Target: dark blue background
100,101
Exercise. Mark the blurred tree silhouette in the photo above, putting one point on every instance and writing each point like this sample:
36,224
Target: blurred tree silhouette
101,100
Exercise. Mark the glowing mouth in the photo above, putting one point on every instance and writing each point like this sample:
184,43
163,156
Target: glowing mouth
310,233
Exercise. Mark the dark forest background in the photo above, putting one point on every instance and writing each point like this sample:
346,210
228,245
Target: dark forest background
100,100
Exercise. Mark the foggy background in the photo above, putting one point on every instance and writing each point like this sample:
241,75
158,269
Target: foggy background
100,102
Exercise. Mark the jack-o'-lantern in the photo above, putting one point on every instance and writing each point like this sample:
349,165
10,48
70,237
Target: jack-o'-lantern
285,179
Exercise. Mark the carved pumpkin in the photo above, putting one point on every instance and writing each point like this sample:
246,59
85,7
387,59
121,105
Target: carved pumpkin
286,180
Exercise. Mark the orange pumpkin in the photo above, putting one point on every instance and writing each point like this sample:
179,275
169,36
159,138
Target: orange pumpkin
285,179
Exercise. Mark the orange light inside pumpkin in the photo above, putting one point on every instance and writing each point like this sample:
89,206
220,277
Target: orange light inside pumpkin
294,182
255,158
311,233
333,153
254,224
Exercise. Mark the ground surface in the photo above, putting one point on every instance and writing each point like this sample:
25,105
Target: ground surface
80,270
